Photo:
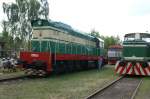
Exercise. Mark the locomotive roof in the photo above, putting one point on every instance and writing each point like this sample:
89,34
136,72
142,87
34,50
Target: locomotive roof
61,26
115,47
143,35
101,40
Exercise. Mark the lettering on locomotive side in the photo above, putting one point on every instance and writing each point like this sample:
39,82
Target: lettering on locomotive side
34,55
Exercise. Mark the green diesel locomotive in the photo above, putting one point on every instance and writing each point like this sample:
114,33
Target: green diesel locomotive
136,55
57,47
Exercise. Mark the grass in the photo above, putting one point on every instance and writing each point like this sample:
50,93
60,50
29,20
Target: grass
11,74
67,86
144,90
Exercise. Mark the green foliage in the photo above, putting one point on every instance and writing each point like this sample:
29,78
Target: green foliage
111,41
95,33
6,38
20,14
44,8
34,7
108,40
10,44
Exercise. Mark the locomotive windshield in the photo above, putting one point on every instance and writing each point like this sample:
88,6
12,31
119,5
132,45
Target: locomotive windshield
137,36
145,37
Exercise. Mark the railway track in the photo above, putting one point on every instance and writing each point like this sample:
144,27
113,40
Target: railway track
122,88
13,78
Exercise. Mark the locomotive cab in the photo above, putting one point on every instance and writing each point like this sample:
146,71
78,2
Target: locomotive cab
136,47
135,56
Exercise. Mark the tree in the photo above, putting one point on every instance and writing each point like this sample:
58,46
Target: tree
9,42
33,10
44,11
20,14
12,14
95,33
111,41
108,40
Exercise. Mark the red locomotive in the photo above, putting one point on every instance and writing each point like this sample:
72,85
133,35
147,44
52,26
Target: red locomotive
114,54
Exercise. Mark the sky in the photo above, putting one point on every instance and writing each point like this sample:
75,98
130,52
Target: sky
108,17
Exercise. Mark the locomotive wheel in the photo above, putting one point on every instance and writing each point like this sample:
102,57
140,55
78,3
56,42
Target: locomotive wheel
41,73
28,71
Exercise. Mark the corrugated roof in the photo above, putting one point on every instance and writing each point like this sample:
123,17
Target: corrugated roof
61,26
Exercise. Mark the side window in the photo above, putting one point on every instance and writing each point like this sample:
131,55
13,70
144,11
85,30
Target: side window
101,44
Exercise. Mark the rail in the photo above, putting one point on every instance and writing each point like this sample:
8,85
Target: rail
123,87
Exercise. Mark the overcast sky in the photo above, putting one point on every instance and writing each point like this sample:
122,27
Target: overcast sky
109,17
